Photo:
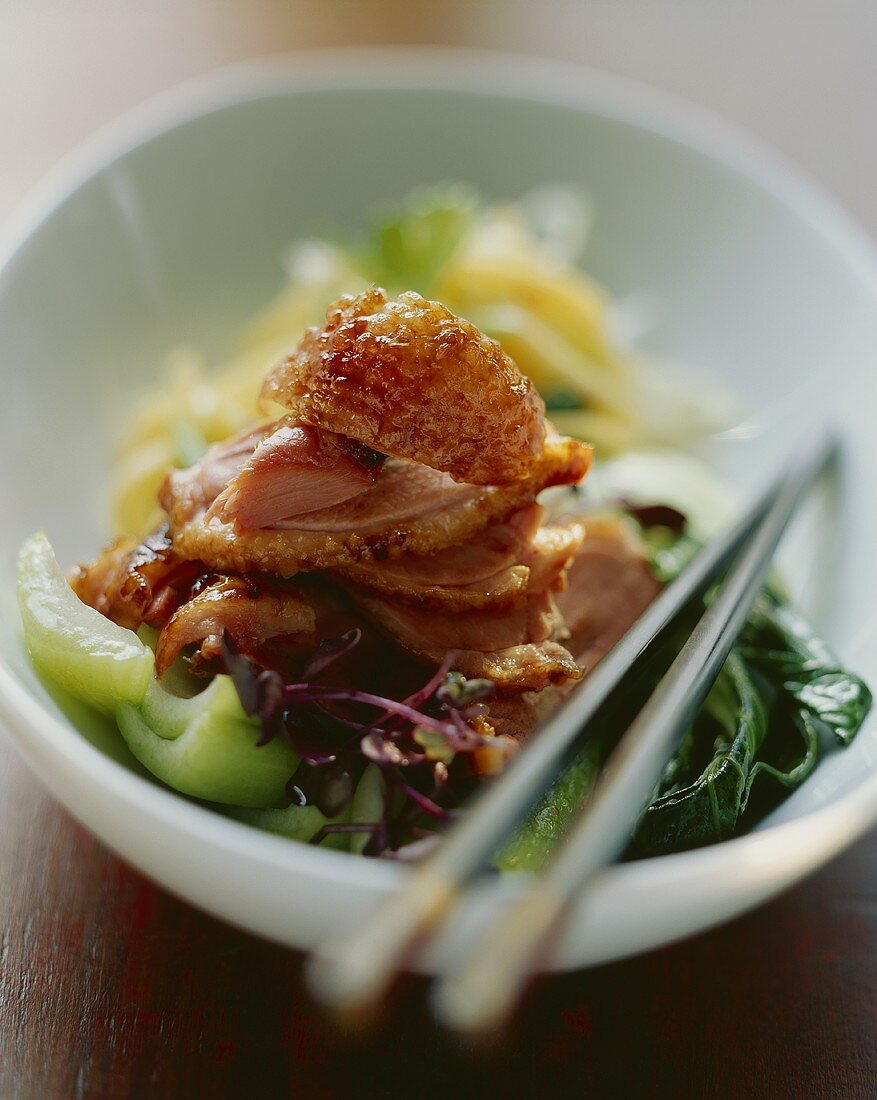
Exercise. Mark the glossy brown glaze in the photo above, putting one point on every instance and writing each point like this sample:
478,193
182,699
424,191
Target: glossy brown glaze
252,615
409,378
135,582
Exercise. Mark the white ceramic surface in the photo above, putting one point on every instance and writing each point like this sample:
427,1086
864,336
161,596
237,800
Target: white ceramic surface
170,229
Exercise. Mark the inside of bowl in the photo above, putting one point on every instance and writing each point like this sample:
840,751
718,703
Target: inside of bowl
179,239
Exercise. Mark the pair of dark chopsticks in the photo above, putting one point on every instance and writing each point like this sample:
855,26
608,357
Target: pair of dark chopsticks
354,973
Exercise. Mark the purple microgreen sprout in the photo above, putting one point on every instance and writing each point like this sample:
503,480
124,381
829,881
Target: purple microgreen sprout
427,729
259,690
330,651
423,801
419,697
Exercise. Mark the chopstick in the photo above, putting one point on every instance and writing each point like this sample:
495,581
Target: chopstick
353,972
481,993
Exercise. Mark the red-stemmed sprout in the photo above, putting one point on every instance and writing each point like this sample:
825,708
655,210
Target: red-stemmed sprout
413,740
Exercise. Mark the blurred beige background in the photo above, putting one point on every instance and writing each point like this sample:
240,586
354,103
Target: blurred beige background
800,73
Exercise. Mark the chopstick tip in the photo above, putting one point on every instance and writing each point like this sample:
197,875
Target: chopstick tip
346,985
352,976
479,998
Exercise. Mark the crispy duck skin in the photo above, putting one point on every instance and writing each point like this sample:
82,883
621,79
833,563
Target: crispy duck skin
410,508
467,436
98,583
412,380
252,615
136,582
531,562
520,668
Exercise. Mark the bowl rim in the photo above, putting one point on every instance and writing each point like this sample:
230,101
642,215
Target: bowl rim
469,69
805,841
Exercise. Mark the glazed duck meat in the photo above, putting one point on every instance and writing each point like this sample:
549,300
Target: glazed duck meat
406,508
399,476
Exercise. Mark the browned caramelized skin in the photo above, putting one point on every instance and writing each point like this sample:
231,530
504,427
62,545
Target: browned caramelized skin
529,667
532,564
410,379
137,582
252,615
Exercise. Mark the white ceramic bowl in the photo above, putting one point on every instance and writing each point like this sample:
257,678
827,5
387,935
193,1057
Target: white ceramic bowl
171,229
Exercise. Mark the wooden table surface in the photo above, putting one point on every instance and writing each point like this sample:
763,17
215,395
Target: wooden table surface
109,987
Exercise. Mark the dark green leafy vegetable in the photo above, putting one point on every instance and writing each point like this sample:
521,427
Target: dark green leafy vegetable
781,686
758,736
695,806
783,647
